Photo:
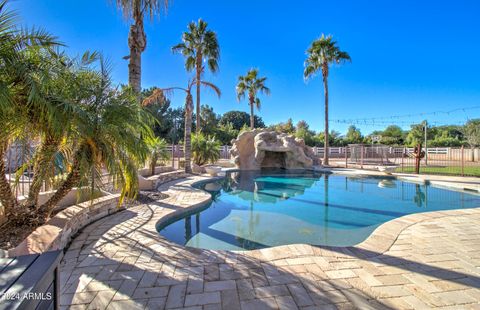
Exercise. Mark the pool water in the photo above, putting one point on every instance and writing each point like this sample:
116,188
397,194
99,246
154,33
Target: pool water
258,209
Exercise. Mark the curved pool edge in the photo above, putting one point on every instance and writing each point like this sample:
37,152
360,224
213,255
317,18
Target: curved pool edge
385,235
124,247
177,189
377,243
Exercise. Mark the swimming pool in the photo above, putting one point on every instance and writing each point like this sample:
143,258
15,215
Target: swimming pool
259,209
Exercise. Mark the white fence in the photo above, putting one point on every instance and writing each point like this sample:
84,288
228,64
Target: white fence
340,151
392,150
177,150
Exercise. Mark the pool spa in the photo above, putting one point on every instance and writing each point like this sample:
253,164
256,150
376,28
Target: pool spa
266,208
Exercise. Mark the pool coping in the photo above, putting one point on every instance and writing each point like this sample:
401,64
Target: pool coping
377,243
125,248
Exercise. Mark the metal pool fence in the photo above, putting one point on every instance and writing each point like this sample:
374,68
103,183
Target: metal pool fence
19,158
177,151
443,161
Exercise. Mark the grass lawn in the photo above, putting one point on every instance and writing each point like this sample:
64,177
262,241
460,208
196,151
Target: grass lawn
453,170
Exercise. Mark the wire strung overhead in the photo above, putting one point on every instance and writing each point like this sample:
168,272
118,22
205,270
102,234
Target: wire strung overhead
384,119
396,119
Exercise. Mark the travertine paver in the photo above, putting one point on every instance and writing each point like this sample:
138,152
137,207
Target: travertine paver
415,262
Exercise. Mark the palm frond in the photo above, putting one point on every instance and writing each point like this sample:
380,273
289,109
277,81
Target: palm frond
321,53
199,41
251,84
213,87
137,8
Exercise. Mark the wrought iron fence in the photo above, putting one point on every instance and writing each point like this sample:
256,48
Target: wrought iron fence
177,151
443,161
19,169
17,159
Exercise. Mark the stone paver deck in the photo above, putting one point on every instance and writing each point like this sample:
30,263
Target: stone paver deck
414,262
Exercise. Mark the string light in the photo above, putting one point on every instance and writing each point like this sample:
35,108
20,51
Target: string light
378,120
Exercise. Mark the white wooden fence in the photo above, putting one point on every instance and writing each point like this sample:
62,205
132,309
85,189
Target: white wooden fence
444,152
392,150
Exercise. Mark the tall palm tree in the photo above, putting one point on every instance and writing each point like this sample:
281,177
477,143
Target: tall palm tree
198,45
320,55
137,39
251,84
165,92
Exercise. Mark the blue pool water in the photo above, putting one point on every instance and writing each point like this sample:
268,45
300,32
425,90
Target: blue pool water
252,210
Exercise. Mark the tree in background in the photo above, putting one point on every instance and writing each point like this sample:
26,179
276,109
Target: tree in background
250,85
208,120
137,39
334,138
240,118
244,128
286,127
416,135
392,135
302,131
353,135
472,135
472,132
445,140
170,122
160,93
320,55
199,45
447,136
226,133
159,109
175,124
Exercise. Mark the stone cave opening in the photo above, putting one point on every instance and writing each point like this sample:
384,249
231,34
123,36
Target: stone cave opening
274,160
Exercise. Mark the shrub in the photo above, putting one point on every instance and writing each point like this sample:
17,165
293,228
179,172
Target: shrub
205,149
158,151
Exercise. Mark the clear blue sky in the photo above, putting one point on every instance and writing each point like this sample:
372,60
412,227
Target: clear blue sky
408,56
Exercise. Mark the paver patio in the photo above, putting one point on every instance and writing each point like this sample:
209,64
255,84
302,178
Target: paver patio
419,261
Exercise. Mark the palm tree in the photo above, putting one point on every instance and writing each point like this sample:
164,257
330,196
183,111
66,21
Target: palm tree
137,40
198,45
158,151
26,68
105,136
205,149
165,92
251,84
49,122
320,55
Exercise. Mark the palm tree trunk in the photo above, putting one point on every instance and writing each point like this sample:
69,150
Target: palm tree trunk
153,164
325,154
252,116
72,180
199,73
43,162
188,133
137,42
7,198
